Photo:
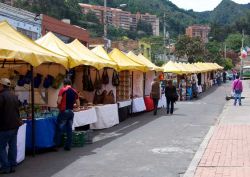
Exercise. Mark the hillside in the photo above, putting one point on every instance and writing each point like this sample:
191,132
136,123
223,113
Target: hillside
226,13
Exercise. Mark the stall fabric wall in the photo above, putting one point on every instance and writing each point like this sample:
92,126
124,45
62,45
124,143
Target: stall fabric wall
138,83
149,79
90,95
202,78
23,93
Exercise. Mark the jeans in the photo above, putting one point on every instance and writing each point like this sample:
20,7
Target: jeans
170,102
8,159
64,123
237,96
155,100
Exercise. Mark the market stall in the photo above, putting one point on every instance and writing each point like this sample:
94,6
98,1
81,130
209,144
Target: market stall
16,50
87,70
125,90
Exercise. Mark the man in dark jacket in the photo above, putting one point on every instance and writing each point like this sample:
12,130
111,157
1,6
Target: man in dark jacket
9,124
171,96
155,93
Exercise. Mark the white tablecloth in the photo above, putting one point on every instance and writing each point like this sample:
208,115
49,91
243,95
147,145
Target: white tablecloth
124,103
107,116
85,117
21,139
162,101
138,105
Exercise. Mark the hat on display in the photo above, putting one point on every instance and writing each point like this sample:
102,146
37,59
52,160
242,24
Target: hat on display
5,81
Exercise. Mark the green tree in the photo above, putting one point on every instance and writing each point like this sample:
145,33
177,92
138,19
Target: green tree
193,48
145,26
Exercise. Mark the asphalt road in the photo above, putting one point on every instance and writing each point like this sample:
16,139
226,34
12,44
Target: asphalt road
142,146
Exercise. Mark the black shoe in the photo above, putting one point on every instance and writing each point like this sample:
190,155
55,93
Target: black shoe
12,170
67,149
5,171
167,112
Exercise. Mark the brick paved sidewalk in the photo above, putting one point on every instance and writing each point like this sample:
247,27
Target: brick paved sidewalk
227,154
228,151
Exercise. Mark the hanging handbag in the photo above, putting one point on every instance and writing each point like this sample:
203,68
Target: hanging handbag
105,77
48,81
115,79
90,83
109,98
38,80
85,79
98,82
98,97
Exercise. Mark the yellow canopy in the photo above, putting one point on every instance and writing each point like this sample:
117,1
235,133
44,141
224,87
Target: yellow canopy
155,68
99,50
136,59
50,41
95,60
124,62
218,66
172,67
15,46
203,66
194,68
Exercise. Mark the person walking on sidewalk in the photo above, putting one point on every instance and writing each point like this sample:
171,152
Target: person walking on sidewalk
171,94
237,88
9,124
67,98
155,93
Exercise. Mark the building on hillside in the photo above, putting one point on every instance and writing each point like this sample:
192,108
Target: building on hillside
24,21
145,49
122,19
64,30
201,31
36,25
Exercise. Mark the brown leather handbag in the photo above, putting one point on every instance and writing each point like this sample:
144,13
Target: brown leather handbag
109,98
99,97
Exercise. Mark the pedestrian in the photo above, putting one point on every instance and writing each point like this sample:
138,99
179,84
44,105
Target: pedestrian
9,123
237,88
155,93
224,76
171,96
67,99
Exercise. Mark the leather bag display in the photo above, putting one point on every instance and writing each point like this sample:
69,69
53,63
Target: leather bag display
115,79
87,81
109,98
99,97
98,81
105,77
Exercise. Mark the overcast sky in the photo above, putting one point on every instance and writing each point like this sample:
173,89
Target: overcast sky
202,5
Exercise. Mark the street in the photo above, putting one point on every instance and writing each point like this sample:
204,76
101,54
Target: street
142,146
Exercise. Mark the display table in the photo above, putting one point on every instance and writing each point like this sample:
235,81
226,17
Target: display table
44,132
138,105
85,117
107,116
162,102
124,108
149,103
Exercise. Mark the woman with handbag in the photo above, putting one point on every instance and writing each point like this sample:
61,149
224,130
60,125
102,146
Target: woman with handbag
171,96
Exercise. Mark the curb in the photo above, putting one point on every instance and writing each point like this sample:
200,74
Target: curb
190,172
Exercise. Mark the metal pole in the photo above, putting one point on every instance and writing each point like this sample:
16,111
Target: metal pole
144,83
33,112
241,61
105,25
164,37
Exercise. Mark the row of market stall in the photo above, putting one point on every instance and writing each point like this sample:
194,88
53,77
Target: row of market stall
111,86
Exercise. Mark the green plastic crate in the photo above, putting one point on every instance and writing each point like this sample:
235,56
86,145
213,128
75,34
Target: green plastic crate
78,139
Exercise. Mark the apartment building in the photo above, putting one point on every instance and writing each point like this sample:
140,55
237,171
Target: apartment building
35,25
201,31
122,19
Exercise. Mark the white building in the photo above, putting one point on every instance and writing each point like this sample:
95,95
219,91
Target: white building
25,22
